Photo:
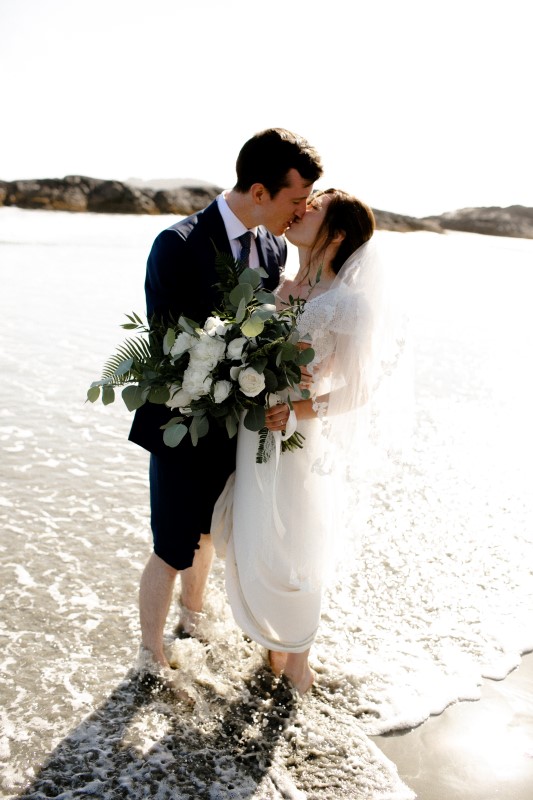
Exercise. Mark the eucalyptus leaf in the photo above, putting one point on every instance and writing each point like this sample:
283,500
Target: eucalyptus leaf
288,352
188,325
243,291
253,326
259,364
171,422
172,436
241,311
250,276
305,356
108,395
265,312
93,393
198,428
262,296
168,341
125,367
254,419
133,397
271,382
159,395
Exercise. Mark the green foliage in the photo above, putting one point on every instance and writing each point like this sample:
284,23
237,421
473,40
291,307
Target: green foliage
255,418
173,434
147,371
134,397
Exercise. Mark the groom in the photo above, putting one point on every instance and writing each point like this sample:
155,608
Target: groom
276,170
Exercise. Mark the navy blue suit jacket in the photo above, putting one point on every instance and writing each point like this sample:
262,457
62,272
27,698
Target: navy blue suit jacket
180,278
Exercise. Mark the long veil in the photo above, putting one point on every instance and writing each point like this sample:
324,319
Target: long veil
363,394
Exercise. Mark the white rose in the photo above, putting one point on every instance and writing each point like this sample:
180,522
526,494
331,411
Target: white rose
184,341
251,382
235,348
215,325
178,397
221,390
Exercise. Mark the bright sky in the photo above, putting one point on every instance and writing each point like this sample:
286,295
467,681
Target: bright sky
416,106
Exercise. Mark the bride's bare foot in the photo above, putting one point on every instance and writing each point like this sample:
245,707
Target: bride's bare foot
301,681
277,661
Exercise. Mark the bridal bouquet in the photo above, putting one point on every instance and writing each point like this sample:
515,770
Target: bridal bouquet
237,361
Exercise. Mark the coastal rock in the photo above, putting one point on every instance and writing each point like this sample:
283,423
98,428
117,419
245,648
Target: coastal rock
388,221
69,194
79,193
185,200
114,197
3,192
514,221
182,197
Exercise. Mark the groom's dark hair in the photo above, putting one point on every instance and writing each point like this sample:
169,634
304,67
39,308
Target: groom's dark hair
269,155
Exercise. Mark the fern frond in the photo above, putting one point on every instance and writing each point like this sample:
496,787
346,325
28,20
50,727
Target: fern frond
227,269
136,349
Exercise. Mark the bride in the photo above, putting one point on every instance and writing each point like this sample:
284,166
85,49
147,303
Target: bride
281,525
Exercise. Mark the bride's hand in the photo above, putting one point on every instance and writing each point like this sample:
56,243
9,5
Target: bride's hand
277,417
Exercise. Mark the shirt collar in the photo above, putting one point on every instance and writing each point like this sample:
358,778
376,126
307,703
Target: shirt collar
234,227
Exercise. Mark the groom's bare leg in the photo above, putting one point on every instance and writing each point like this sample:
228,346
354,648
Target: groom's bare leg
194,581
155,596
156,591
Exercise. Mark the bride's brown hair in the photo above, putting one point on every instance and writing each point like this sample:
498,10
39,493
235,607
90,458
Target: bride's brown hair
344,214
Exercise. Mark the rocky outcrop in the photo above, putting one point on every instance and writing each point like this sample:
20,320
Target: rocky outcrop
79,193
182,197
514,221
388,221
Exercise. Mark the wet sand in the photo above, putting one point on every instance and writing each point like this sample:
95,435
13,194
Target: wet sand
479,750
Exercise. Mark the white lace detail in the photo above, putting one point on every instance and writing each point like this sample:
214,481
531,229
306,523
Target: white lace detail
314,323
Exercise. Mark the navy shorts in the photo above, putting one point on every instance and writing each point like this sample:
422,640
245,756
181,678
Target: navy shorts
182,498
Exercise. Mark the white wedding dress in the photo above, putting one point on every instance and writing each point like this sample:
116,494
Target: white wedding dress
275,515
282,526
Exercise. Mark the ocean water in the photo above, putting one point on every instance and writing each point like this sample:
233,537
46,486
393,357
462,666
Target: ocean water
440,597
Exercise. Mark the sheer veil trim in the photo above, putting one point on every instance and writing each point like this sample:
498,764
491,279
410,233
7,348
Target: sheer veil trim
363,392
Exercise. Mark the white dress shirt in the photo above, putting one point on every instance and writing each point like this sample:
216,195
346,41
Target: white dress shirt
234,229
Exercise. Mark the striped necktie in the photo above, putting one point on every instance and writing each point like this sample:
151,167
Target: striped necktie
246,241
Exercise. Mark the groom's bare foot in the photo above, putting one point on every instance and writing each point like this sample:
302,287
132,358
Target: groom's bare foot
151,657
277,661
191,623
301,681
160,671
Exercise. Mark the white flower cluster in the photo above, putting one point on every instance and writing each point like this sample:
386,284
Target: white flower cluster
206,350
